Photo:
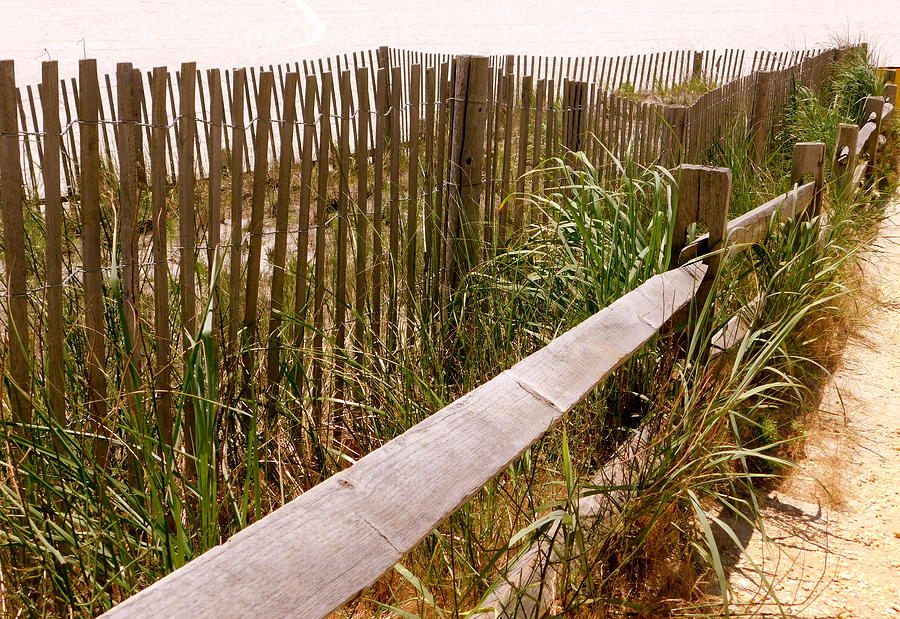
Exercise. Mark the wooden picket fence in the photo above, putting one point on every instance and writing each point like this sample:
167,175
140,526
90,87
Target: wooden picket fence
359,156
322,548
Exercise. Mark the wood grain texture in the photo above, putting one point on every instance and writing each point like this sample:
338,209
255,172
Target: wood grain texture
279,251
341,300
752,226
301,283
867,142
412,204
466,158
258,200
53,257
18,338
94,321
238,142
704,197
393,262
214,133
809,159
318,340
127,133
845,156
163,339
759,119
381,135
187,127
360,291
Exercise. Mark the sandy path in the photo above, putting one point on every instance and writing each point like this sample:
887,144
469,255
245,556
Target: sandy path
837,520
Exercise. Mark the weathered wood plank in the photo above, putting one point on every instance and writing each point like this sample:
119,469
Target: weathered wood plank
128,202
362,201
753,225
187,126
53,259
163,339
258,200
318,340
18,339
94,321
238,142
285,162
300,560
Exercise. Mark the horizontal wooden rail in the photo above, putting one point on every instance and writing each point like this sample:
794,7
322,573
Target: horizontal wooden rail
753,225
866,132
532,582
318,551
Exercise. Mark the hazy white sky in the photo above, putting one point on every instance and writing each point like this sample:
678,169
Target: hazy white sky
227,33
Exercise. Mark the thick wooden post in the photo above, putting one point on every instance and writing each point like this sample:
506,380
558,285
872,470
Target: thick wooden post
809,158
759,119
467,134
890,97
18,341
872,113
845,156
704,197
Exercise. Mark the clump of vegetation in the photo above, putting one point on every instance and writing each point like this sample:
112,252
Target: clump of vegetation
812,116
685,92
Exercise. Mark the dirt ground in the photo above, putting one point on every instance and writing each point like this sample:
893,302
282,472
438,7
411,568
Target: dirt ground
835,524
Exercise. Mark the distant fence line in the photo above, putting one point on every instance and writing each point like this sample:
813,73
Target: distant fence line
607,73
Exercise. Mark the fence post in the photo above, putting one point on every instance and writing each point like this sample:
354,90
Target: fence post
759,119
128,132
18,343
872,113
704,196
53,258
467,133
809,158
845,156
